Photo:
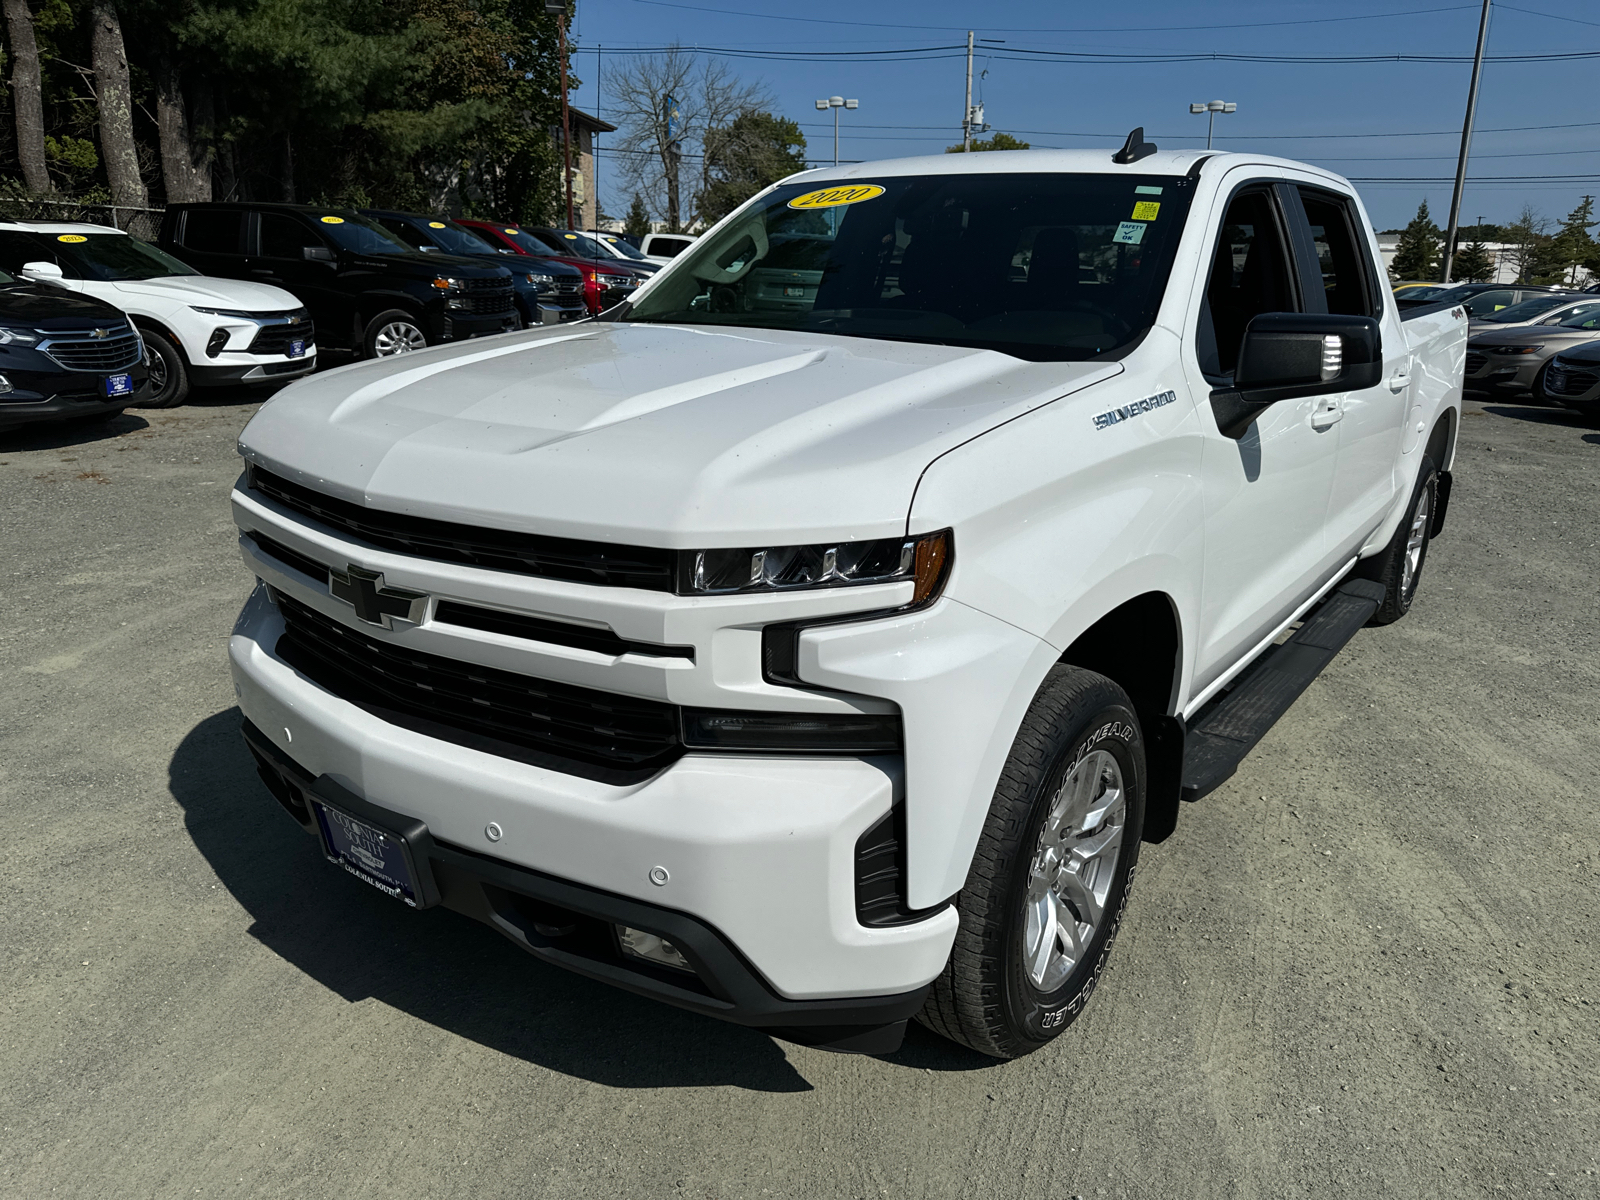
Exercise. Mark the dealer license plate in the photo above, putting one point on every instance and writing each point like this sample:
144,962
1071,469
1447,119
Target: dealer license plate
297,348
119,385
374,856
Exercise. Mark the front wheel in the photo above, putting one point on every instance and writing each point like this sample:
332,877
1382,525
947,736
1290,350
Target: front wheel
393,332
169,374
1048,885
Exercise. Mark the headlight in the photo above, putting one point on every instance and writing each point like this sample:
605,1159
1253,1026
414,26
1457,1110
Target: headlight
542,280
840,564
1510,349
18,337
446,284
226,312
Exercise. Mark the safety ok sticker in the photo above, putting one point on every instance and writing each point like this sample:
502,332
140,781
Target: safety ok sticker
833,197
1146,210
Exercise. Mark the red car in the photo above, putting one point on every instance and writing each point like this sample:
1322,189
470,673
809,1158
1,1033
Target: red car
605,282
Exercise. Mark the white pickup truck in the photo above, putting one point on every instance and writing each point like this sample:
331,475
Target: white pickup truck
812,640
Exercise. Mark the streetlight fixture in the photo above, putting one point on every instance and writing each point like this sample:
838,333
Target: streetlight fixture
836,103
1213,107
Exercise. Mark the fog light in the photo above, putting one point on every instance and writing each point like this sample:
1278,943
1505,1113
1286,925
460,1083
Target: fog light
5,385
219,339
651,948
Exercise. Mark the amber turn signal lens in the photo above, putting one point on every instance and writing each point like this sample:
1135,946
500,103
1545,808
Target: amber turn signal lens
933,553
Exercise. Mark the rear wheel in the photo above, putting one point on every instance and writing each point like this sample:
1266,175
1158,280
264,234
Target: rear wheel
1050,879
1399,567
393,332
169,373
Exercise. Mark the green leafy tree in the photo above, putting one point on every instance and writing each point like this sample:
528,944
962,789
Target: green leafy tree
753,150
1418,254
637,222
1000,141
1473,264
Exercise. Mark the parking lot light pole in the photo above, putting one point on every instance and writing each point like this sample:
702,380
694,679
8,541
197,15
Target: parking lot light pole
836,103
1213,107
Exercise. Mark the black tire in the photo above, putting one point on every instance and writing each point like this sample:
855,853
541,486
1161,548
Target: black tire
1390,566
1538,387
169,372
380,339
986,998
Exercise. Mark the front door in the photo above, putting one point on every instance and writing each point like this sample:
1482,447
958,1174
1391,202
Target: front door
282,240
1266,493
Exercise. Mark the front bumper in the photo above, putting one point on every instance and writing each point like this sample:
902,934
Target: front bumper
274,370
760,850
54,395
572,926
453,326
1507,374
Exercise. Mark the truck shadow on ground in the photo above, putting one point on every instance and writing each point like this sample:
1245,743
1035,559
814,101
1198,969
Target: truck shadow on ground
444,969
1538,414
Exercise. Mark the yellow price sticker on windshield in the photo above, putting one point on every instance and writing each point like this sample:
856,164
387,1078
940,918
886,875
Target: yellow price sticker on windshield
835,196
71,237
1146,210
333,220
435,224
509,229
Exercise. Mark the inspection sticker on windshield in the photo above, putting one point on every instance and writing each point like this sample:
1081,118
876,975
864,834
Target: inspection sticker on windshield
1117,415
1146,210
835,196
71,237
1129,233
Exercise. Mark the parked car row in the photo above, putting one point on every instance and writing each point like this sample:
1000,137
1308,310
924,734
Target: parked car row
246,293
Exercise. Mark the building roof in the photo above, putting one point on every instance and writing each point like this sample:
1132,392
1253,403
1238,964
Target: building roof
582,120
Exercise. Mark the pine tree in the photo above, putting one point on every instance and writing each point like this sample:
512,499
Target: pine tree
637,222
1572,245
1000,141
1473,264
1417,256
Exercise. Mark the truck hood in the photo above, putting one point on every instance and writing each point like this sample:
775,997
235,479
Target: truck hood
209,292
673,436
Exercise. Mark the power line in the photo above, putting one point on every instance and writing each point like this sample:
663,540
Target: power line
1092,57
1251,137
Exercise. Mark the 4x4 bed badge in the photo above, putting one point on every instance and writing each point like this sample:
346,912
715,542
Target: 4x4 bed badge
375,603
1107,419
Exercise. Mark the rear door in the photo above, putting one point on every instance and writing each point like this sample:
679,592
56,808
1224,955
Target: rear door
211,240
1340,277
1266,492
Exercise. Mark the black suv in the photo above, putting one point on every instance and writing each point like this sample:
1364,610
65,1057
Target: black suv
367,291
547,292
64,356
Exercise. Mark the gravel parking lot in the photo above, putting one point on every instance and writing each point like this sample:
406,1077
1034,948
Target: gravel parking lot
1364,967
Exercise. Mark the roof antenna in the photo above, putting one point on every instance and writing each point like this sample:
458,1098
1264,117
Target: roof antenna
1134,148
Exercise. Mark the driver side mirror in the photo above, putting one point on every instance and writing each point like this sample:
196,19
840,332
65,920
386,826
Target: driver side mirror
317,254
1284,356
43,270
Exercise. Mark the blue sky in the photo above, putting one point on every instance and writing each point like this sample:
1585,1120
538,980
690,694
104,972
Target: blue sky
1373,119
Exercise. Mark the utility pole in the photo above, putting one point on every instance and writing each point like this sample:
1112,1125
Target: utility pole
1466,142
967,112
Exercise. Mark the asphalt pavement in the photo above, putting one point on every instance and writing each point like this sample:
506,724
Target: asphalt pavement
1365,967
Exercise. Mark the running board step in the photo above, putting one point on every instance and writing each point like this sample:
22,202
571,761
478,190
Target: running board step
1229,728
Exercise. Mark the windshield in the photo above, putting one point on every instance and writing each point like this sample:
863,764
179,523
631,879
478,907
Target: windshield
109,257
619,247
1528,310
1587,317
361,236
529,243
583,247
458,239
1041,266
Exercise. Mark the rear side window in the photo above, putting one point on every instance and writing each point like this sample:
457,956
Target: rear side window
1341,255
669,247
284,237
214,231
1249,276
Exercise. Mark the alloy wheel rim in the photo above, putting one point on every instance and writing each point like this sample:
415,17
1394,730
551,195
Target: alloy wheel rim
1074,863
156,367
1416,542
398,337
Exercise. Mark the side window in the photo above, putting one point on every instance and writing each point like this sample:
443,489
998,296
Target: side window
1249,276
213,231
19,248
1342,258
284,237
1485,303
406,232
668,247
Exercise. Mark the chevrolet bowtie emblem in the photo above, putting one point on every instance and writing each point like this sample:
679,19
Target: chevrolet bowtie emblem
375,603
100,333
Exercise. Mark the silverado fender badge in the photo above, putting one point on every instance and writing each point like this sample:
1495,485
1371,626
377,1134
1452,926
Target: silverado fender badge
1107,419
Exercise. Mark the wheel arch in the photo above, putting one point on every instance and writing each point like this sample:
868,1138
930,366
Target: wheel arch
1138,645
1441,444
152,325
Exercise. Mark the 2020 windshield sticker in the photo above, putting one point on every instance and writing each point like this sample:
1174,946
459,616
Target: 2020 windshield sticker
835,196
1149,404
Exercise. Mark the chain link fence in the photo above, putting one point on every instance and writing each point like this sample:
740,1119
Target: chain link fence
140,222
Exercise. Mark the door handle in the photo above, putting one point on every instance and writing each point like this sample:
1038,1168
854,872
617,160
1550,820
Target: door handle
1328,412
1399,381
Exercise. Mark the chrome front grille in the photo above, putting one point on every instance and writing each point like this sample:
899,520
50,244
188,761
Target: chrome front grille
81,352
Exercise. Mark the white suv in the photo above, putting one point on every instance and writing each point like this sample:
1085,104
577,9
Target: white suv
200,331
